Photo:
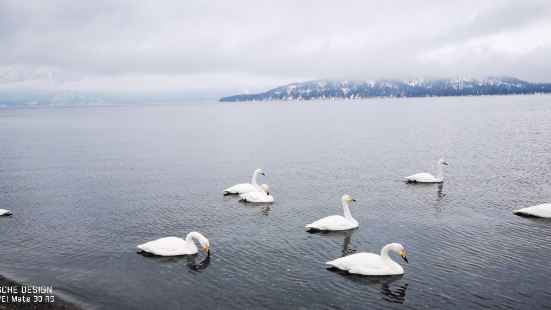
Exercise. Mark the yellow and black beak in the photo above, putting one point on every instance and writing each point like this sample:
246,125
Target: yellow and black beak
404,255
352,200
207,249
445,163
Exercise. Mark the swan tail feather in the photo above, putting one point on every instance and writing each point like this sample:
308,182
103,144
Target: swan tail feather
331,264
522,213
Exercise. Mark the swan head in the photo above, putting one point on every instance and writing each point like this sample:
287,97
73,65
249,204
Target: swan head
259,172
265,189
204,242
348,199
442,162
399,249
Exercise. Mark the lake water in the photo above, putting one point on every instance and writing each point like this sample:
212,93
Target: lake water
88,184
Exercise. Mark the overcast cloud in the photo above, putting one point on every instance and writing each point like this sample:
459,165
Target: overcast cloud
238,46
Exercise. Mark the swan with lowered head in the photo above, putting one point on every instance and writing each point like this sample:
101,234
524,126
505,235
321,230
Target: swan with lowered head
173,246
369,264
337,222
4,212
260,196
427,177
245,187
543,210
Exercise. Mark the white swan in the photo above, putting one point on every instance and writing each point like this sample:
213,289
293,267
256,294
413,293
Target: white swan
543,210
173,246
336,222
427,177
370,264
262,195
4,212
245,187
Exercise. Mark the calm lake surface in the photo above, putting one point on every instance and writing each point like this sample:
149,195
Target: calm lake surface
88,184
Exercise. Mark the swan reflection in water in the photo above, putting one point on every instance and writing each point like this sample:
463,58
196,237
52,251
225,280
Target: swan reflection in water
264,208
396,296
392,293
389,287
174,261
346,249
439,194
193,266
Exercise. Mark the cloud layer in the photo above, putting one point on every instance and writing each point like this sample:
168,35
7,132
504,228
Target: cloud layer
250,45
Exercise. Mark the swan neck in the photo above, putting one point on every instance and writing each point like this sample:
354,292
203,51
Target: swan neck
253,182
440,174
347,214
192,236
384,253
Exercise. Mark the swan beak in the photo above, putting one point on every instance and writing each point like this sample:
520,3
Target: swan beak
352,200
444,163
262,173
404,255
207,250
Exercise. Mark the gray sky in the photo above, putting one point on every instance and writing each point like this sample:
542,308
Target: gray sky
242,46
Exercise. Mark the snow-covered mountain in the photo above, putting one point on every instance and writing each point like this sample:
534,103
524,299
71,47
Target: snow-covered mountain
346,89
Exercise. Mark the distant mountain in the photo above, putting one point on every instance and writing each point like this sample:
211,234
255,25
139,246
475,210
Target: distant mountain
43,98
84,98
345,89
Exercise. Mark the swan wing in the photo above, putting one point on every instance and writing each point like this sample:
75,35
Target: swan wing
257,196
170,246
240,188
422,178
368,264
543,210
333,222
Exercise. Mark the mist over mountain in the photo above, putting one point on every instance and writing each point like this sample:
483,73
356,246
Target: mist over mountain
84,98
396,88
